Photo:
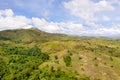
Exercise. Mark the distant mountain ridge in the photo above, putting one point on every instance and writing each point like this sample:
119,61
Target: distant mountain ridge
34,34
29,35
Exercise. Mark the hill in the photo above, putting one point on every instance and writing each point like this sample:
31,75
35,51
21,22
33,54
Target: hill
31,54
32,34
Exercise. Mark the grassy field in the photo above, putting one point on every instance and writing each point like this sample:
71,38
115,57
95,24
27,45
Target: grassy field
35,55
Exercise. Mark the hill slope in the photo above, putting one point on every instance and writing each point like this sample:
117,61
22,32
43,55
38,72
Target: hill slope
32,34
72,58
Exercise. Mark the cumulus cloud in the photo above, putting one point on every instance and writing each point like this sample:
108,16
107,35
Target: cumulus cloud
55,27
110,32
95,14
44,25
7,13
86,9
10,21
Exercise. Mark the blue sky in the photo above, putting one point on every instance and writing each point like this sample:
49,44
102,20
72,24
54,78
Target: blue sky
36,8
74,17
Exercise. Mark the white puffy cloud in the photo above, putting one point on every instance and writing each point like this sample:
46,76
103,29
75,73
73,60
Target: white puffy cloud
10,21
94,13
110,32
70,27
86,9
54,27
44,25
7,12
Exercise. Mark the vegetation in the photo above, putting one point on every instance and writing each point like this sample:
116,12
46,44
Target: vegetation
67,60
31,54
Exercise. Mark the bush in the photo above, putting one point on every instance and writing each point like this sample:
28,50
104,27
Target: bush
56,57
67,60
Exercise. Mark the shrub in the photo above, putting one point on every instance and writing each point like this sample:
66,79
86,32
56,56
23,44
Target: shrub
67,60
56,57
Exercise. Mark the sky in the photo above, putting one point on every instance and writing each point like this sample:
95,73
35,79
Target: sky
73,17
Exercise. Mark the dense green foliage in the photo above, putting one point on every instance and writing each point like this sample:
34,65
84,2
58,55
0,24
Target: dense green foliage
19,63
34,51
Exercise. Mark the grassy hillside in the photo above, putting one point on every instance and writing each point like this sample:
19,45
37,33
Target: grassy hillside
30,54
29,35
